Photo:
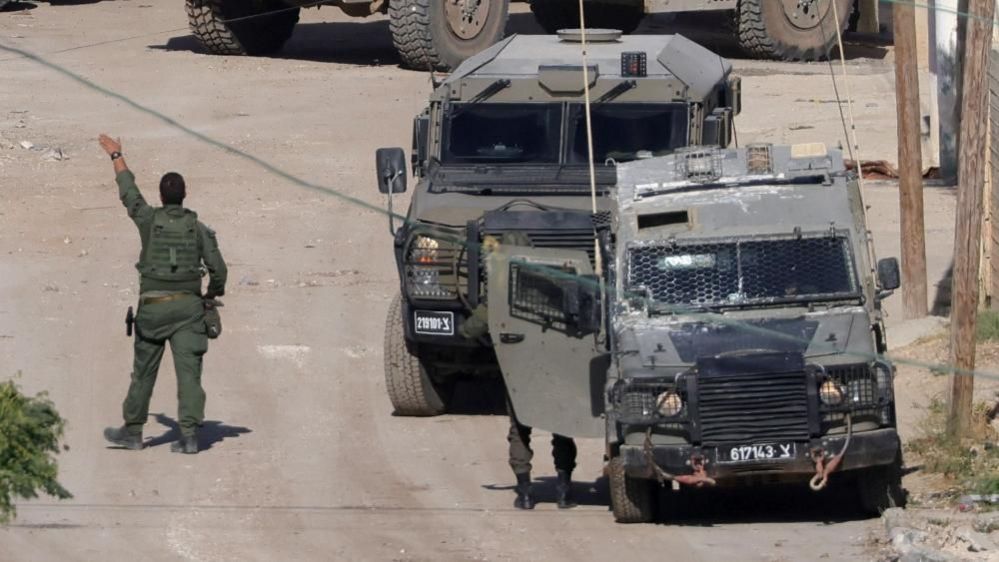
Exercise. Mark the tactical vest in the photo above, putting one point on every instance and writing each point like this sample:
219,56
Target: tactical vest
171,252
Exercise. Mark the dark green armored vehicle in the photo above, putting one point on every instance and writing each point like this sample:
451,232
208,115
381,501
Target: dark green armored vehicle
739,337
502,146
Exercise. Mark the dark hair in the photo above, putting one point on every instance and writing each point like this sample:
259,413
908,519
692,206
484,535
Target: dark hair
172,189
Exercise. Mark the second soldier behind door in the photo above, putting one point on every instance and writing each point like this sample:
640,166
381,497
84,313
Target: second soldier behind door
519,436
177,249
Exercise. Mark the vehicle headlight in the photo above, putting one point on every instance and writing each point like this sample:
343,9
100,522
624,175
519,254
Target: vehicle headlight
430,268
424,250
831,393
669,404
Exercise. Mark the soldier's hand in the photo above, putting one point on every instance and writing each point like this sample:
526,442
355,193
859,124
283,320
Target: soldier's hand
109,144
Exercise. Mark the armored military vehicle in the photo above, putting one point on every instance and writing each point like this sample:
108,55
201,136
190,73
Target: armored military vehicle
442,33
502,139
741,333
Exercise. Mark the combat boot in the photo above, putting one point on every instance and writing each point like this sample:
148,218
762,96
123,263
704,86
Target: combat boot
563,490
524,498
187,444
121,437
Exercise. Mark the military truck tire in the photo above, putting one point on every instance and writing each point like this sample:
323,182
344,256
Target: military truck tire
880,488
256,36
3,3
788,29
553,15
441,33
409,386
633,500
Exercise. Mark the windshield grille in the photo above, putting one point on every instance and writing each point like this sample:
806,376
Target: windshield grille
750,271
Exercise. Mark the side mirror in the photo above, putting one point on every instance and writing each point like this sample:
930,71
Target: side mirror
390,165
888,274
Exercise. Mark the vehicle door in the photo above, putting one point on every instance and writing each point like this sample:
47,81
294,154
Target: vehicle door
544,325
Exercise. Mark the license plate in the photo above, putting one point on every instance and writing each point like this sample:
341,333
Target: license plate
433,323
757,452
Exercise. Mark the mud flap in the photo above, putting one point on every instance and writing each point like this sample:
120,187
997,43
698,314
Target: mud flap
553,371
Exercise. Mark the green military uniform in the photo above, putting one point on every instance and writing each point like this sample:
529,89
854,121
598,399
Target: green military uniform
520,453
176,249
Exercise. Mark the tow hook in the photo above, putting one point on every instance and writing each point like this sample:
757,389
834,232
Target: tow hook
700,476
698,479
823,466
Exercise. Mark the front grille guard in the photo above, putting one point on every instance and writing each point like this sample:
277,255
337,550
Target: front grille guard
865,396
634,400
434,273
634,403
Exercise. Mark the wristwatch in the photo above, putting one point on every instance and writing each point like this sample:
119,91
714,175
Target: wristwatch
115,155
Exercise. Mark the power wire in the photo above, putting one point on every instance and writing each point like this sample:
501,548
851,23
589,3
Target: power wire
716,318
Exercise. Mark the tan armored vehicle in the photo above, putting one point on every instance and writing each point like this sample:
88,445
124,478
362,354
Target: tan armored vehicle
443,33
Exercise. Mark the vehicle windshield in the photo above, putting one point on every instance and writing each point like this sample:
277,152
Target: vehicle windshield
627,131
486,133
519,133
744,272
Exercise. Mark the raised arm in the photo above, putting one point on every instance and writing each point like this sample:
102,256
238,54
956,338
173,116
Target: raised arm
128,192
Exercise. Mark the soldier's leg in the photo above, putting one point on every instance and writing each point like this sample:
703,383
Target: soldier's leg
520,457
146,364
519,437
188,346
564,452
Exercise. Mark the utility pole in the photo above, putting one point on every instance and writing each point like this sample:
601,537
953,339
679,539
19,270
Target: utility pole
910,162
968,227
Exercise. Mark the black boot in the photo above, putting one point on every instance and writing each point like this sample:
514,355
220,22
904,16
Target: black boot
563,490
187,444
121,437
524,498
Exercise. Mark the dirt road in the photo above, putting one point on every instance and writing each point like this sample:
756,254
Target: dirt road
305,462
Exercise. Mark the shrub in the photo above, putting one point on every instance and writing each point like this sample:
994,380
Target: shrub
30,429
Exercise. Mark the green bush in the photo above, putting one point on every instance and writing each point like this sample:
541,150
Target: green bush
30,428
987,328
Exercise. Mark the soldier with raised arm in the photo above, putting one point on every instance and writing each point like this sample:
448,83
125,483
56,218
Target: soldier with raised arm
177,250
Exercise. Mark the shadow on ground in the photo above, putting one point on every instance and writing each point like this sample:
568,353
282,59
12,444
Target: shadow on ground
19,7
363,42
710,507
210,433
543,490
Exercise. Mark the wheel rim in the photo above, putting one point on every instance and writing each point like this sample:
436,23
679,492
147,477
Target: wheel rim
466,18
806,14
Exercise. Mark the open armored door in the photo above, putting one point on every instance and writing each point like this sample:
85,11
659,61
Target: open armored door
544,311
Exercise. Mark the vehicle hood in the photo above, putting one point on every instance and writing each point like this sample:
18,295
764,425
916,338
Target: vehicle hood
655,342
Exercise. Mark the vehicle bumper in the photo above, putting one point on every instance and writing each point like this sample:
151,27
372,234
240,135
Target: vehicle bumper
867,449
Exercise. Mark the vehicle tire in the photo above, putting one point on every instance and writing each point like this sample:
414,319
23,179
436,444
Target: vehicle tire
441,34
255,36
553,15
3,3
880,488
790,30
633,500
409,386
